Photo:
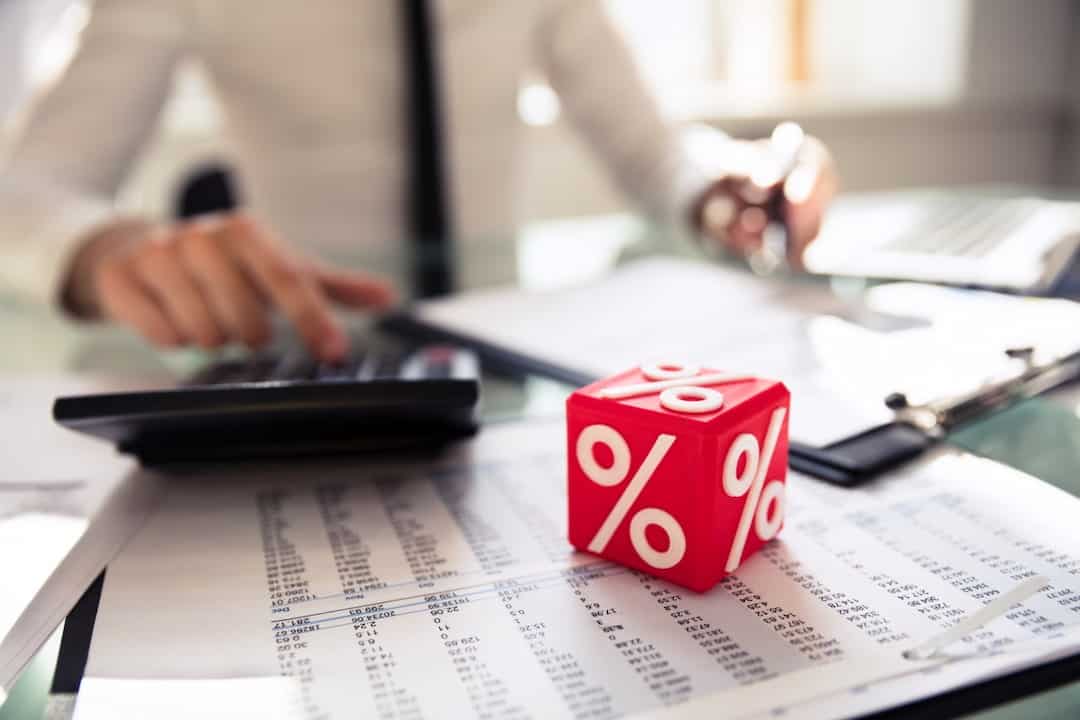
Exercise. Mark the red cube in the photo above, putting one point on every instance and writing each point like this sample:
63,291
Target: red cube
677,470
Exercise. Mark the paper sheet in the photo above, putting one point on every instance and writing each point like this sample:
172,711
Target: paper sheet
840,358
42,464
232,699
52,481
665,308
121,514
33,544
448,590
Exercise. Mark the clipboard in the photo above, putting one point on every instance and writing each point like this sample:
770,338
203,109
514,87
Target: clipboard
848,462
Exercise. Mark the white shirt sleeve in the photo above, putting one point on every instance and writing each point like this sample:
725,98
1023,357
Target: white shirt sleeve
595,75
79,142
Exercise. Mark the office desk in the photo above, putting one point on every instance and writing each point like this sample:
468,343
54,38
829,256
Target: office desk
1041,436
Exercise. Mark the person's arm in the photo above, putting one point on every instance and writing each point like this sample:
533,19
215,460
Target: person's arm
79,141
590,67
206,283
662,167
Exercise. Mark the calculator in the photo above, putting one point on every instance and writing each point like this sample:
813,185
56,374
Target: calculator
381,400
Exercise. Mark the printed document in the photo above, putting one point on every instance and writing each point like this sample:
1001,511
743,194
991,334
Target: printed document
447,589
839,353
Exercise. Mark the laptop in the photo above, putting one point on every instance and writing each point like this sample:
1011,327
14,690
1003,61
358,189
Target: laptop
975,239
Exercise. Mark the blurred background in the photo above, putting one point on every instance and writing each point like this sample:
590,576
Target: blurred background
914,93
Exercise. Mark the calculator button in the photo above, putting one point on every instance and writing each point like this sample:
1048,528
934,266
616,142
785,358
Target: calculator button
296,365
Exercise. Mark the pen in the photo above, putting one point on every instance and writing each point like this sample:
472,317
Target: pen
785,145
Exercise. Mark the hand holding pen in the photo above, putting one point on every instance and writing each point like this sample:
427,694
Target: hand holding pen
770,205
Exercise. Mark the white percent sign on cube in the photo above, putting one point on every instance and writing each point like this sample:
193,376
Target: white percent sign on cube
764,506
684,388
617,473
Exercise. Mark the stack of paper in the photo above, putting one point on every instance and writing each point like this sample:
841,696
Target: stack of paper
448,590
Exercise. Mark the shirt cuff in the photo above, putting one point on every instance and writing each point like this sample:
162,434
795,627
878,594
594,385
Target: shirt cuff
703,151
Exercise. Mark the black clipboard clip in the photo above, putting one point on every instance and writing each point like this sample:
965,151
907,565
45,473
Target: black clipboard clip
862,457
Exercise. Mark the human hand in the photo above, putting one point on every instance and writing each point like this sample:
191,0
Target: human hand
736,209
211,282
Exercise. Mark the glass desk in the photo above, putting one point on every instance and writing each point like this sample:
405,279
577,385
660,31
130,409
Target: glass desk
1041,436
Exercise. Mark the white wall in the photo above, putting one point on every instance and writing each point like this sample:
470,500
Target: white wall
1020,50
909,49
1003,114
1068,170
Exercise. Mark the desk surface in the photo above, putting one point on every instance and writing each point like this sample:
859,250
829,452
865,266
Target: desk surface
1041,437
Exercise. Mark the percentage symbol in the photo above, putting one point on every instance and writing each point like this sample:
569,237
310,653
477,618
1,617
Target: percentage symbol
615,475
761,497
682,387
